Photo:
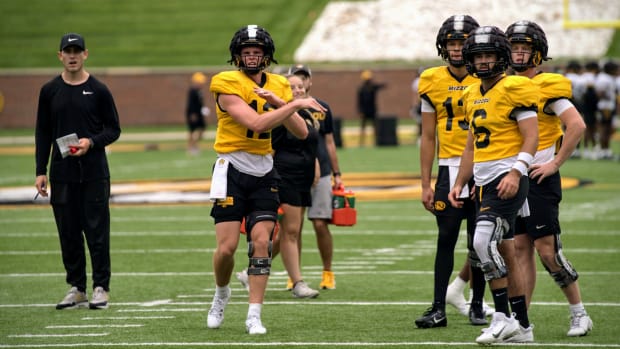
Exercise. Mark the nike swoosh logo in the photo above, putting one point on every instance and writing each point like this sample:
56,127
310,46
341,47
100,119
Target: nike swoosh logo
437,320
72,39
87,92
486,208
540,226
496,335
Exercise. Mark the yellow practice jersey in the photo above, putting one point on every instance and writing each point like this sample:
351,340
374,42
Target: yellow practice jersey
443,91
552,87
232,136
491,116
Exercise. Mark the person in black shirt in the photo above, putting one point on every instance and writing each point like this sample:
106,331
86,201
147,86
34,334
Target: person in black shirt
195,113
367,103
76,102
296,162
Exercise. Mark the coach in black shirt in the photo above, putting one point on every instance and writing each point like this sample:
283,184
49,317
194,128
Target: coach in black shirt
76,102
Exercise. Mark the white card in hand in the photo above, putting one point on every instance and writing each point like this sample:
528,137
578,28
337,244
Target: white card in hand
65,142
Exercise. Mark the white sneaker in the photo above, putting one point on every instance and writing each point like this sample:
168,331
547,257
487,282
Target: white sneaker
580,325
302,290
523,335
457,300
242,276
73,299
216,313
501,328
253,325
100,299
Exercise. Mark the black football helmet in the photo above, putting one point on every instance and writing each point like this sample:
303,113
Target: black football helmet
252,35
530,33
487,39
456,27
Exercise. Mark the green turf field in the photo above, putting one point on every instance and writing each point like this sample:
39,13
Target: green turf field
162,282
147,32
155,33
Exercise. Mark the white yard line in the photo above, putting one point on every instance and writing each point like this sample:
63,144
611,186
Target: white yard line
58,335
95,326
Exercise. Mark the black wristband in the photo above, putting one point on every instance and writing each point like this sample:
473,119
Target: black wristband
337,174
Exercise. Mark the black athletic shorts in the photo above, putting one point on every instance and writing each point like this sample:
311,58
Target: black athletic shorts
294,197
442,204
544,201
246,194
490,203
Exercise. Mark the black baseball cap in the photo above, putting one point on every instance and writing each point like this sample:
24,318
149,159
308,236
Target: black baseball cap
72,39
300,68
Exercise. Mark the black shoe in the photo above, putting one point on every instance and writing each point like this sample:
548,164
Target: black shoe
476,314
432,317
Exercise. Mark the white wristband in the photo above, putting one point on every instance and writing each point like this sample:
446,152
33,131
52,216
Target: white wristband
527,158
520,166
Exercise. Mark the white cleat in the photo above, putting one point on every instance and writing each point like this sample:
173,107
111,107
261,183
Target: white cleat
216,313
523,335
501,328
253,325
580,325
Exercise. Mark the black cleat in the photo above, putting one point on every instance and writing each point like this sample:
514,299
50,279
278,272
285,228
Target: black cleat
476,314
432,317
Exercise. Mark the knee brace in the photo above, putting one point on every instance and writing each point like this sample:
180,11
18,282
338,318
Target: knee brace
259,265
567,274
259,216
491,228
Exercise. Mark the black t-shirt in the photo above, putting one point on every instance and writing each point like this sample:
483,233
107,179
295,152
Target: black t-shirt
326,126
294,159
86,109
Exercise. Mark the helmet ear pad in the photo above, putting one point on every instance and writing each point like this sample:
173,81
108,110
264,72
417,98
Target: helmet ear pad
537,58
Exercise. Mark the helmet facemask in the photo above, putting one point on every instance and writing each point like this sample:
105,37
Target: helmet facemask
252,36
487,39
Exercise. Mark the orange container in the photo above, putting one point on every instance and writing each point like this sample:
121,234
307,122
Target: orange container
343,207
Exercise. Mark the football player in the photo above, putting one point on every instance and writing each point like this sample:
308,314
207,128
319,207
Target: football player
540,231
444,132
249,103
502,140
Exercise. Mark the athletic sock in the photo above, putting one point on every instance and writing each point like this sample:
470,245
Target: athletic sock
577,308
500,298
478,284
222,291
254,310
519,307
